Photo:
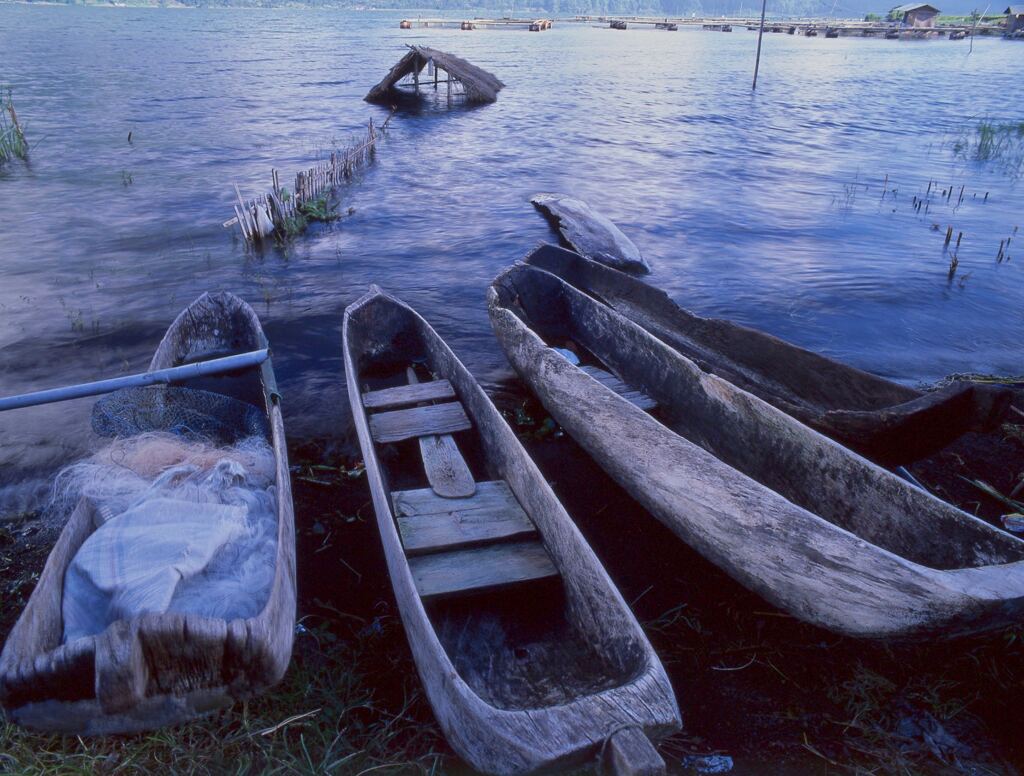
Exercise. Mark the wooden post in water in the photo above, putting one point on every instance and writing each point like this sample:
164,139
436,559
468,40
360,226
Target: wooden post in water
760,34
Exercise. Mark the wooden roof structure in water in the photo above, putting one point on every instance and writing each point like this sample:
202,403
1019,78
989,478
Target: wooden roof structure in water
478,85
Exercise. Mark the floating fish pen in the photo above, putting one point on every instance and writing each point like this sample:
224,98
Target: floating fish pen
283,213
463,79
533,25
617,24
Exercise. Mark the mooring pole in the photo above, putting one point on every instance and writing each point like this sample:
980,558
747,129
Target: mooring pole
760,34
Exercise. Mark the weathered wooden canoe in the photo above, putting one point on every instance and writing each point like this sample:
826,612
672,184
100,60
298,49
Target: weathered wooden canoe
529,656
885,421
160,669
590,233
801,520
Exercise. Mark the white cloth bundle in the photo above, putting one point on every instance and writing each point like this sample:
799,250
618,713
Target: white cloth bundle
199,537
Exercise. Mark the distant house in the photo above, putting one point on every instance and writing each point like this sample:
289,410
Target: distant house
915,15
1014,19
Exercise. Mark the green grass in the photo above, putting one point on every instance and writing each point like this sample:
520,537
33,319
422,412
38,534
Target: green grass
997,143
13,144
325,717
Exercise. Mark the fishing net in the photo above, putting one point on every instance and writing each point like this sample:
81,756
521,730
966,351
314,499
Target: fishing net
184,411
183,522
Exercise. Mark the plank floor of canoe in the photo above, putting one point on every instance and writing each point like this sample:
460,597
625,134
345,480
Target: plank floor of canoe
454,545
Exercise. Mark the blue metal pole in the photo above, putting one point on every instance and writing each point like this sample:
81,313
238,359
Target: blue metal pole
174,374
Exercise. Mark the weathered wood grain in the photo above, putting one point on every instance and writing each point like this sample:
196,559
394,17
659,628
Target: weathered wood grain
885,421
480,568
157,669
402,395
491,497
521,737
446,469
806,523
399,425
608,380
458,528
629,753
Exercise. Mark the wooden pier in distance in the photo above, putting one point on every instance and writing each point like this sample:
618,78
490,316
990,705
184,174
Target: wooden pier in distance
533,25
809,27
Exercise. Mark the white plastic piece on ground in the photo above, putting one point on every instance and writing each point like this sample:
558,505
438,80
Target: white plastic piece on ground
592,234
183,526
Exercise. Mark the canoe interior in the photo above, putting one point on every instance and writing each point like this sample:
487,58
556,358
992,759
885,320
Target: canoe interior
776,370
887,422
527,645
755,438
56,686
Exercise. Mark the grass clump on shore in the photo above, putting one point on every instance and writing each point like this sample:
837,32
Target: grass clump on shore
13,144
991,141
325,717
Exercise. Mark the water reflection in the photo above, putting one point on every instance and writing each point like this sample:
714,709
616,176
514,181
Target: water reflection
766,208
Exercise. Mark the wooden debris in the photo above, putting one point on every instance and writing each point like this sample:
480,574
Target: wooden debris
278,212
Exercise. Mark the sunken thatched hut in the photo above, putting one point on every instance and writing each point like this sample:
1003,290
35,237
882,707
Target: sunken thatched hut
477,84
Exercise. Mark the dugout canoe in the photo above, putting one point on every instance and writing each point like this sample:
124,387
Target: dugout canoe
160,669
887,422
527,652
806,523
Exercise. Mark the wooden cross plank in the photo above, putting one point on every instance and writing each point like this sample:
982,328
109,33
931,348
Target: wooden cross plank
460,527
491,496
402,395
608,380
397,425
480,568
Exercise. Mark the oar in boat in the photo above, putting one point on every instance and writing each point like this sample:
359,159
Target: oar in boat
528,653
168,376
810,525
887,422
162,669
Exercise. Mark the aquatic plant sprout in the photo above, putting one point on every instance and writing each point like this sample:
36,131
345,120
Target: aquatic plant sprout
13,144
997,142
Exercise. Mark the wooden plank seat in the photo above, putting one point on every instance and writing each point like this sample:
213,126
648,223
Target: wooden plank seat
403,395
480,568
459,546
607,379
432,419
428,523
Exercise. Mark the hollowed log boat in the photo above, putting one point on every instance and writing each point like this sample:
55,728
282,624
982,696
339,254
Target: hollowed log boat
160,669
527,652
883,420
806,523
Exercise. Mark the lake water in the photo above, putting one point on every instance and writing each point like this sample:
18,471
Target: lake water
763,207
